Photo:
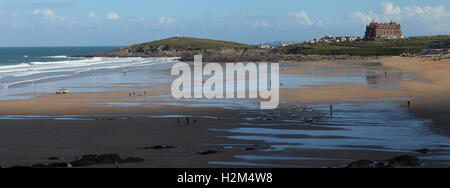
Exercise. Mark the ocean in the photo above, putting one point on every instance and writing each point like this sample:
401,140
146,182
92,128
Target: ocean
20,66
19,55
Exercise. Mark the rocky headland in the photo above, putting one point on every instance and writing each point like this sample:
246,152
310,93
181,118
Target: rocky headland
215,51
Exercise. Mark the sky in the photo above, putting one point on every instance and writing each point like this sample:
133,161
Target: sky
123,22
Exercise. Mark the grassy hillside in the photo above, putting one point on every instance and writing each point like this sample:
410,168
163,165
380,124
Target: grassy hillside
194,43
366,48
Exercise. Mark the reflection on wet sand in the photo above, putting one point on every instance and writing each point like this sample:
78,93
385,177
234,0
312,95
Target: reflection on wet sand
366,124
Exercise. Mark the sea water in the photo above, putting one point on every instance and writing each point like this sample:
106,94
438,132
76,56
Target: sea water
25,70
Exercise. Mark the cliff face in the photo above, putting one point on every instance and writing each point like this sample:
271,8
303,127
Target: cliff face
209,55
224,55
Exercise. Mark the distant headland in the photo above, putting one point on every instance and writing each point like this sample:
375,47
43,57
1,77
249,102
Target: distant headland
225,51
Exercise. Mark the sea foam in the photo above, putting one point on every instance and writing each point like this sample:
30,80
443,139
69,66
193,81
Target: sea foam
37,71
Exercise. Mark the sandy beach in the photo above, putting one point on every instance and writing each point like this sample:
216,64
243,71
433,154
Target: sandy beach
371,121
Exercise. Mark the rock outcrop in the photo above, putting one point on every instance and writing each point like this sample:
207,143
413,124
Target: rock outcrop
214,51
224,55
403,161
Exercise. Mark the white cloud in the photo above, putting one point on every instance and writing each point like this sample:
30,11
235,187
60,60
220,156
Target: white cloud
165,20
364,18
92,16
417,19
48,15
429,12
303,18
44,12
390,9
112,16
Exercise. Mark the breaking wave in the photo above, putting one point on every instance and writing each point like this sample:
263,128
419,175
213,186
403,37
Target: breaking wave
57,57
36,71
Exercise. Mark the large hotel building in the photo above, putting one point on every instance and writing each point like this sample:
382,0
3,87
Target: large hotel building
390,30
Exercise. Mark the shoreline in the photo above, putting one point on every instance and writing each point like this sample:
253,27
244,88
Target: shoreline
227,58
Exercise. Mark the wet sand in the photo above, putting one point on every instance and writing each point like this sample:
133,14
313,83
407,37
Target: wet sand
299,134
432,91
428,89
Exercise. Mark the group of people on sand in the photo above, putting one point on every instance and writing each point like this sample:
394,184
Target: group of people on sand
188,120
135,93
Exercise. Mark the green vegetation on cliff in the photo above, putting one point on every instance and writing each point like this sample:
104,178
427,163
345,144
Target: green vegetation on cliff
366,48
185,48
222,51
182,43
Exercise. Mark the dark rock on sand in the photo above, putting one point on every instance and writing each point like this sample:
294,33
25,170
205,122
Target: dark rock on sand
108,159
208,152
54,158
132,160
86,160
105,119
33,166
58,165
20,167
159,147
89,157
89,160
381,165
424,151
362,164
397,162
404,161
40,166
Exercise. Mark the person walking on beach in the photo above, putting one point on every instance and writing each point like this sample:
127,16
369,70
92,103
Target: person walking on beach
331,111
